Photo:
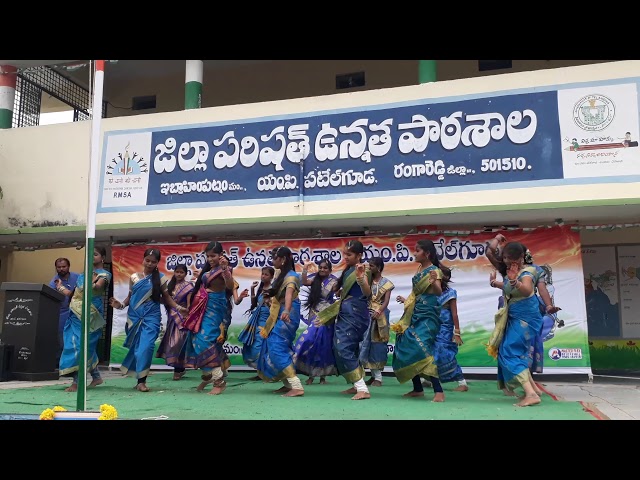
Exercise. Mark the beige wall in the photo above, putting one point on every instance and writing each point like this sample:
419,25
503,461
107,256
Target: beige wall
45,175
36,267
619,236
39,266
45,168
49,103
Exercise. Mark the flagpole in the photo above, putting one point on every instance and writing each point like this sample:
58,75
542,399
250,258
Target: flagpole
94,177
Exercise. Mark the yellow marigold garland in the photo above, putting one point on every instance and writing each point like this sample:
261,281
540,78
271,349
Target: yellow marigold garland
107,412
48,414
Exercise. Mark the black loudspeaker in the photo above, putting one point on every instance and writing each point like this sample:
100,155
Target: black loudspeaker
30,324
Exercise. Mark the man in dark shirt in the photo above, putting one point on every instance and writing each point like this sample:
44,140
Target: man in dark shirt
67,279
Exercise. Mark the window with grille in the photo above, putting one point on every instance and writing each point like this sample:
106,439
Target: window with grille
30,84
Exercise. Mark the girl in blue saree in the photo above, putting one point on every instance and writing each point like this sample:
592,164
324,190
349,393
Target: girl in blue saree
208,319
417,330
545,302
146,290
72,328
259,313
449,337
314,348
373,352
351,315
275,362
517,323
173,344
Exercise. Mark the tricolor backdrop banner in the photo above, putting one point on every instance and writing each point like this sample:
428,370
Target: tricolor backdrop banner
557,247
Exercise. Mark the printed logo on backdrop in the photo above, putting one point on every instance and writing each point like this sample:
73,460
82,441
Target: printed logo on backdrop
556,353
594,112
599,129
126,170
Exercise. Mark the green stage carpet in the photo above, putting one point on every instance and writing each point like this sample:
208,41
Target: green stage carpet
249,400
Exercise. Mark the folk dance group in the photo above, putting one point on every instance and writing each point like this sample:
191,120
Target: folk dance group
348,323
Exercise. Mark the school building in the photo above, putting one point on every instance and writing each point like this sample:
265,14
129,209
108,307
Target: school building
228,150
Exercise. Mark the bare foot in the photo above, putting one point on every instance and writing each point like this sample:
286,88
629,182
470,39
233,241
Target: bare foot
178,375
438,397
294,392
309,381
413,393
142,387
282,389
72,388
461,388
509,393
95,382
219,388
522,397
361,396
205,381
376,383
528,400
350,391
323,381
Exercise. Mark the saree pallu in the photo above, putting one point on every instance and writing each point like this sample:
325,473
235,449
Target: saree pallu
230,304
536,354
350,327
524,322
313,351
374,351
446,348
72,331
536,351
275,361
204,351
142,327
174,342
414,351
250,337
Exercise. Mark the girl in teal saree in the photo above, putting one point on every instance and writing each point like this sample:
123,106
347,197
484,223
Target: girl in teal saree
417,330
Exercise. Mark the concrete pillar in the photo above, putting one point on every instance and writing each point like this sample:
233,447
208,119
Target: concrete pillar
8,78
427,71
193,84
